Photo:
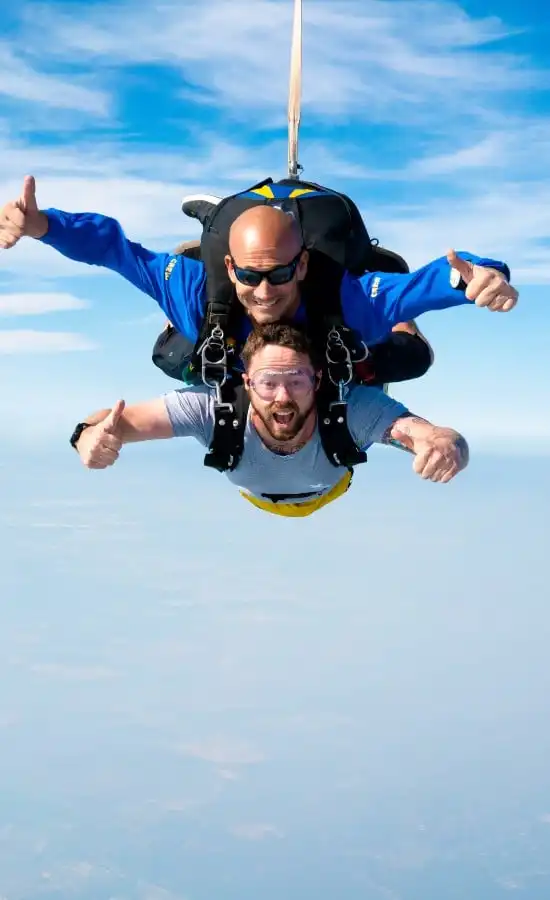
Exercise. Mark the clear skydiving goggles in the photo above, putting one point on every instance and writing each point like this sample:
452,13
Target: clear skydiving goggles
297,382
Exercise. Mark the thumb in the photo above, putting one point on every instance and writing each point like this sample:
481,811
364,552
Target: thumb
462,266
112,420
27,201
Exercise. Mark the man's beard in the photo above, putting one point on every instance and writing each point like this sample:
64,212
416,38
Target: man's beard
280,431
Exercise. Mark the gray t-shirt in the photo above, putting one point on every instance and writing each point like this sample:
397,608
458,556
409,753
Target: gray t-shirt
261,471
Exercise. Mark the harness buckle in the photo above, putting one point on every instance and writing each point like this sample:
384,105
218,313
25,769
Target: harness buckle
213,355
220,403
338,356
341,399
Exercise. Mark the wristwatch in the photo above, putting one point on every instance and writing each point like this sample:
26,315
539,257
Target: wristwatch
75,437
457,281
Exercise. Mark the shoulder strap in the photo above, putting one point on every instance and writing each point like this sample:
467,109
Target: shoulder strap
338,444
341,350
230,414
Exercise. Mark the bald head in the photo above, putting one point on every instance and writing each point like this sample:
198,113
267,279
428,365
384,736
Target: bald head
261,240
264,233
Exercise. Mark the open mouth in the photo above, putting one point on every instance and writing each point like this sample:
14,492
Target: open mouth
283,418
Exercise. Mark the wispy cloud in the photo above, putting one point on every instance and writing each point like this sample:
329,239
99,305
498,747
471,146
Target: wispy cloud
256,832
223,751
38,304
512,224
410,52
21,341
19,80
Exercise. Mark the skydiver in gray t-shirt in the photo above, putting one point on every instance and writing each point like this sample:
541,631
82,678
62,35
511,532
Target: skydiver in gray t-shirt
283,468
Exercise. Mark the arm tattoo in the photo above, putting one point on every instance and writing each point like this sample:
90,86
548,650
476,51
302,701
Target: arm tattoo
387,438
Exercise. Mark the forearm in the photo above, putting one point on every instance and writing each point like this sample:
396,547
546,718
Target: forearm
99,240
411,432
90,238
413,427
147,421
429,289
126,432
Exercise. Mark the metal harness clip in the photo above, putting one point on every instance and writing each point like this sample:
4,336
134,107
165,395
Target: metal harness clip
214,358
338,355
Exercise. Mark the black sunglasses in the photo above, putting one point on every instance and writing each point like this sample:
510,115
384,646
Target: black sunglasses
277,275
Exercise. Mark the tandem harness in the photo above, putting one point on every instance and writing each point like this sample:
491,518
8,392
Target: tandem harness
335,236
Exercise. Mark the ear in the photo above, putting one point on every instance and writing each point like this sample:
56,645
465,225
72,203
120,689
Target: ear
246,382
229,267
318,378
301,270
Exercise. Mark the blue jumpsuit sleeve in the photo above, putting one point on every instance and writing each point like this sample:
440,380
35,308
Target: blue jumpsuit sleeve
375,302
178,284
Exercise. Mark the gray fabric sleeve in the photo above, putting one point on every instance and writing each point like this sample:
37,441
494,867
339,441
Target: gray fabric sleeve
190,411
370,413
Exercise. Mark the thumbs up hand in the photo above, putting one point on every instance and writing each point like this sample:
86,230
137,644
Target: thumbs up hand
440,453
99,445
486,287
22,218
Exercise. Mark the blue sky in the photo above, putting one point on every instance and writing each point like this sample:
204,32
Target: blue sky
208,726
433,115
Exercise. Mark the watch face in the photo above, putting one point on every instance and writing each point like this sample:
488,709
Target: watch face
455,278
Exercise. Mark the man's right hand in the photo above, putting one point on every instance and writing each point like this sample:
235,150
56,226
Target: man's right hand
99,445
22,218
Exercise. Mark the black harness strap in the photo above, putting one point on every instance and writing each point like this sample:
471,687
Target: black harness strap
230,412
338,444
341,351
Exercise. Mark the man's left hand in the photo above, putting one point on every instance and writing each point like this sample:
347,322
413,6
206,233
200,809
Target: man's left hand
484,286
440,453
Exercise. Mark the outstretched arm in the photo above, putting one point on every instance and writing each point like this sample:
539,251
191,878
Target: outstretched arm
376,302
183,413
440,453
174,281
100,443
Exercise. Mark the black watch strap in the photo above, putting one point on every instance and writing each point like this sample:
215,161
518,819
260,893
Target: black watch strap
75,437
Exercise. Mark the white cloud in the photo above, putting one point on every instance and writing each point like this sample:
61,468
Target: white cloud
21,341
38,304
19,81
486,152
398,56
508,221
